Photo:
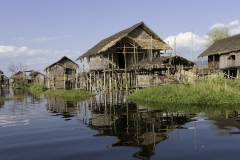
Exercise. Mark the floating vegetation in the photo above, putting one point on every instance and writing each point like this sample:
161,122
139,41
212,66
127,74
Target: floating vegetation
38,87
213,91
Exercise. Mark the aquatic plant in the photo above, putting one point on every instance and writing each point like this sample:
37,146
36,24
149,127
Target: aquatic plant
212,91
38,87
70,93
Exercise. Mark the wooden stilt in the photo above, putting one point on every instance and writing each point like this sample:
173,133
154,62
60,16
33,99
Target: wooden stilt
90,87
125,60
104,81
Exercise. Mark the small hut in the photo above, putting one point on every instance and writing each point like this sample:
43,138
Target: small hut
61,74
224,55
5,80
170,69
19,78
37,77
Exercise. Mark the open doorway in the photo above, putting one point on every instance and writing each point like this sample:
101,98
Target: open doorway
121,62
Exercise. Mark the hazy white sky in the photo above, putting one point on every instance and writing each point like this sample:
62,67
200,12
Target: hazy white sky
40,32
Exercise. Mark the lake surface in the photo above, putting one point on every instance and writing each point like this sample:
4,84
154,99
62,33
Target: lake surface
42,127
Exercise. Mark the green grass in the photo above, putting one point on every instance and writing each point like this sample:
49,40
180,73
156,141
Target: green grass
70,93
212,91
20,86
37,87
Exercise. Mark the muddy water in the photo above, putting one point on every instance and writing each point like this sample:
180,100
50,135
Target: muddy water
43,127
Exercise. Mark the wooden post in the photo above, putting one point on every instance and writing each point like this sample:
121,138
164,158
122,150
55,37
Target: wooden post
104,79
112,67
110,81
213,64
64,80
86,80
97,79
237,74
125,60
76,78
90,82
134,52
108,71
94,80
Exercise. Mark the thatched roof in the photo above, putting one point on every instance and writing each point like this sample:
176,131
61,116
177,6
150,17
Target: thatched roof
35,73
59,63
225,45
5,77
18,75
1,72
107,43
163,60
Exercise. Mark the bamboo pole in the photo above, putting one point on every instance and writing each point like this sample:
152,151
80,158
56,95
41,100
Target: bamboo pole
104,81
125,60
112,65
90,82
94,78
134,52
64,80
108,71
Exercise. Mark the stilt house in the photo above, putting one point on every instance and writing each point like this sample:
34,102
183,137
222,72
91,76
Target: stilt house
5,80
61,74
224,55
37,77
112,57
19,78
165,69
124,48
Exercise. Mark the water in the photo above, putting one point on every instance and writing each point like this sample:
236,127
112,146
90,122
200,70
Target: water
43,127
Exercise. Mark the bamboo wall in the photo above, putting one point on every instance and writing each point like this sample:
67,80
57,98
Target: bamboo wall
56,70
227,61
60,77
39,79
98,63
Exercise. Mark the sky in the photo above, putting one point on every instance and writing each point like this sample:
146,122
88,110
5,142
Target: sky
39,32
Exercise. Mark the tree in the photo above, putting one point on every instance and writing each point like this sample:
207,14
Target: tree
14,68
215,34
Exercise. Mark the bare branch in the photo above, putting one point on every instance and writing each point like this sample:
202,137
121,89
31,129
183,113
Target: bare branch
14,68
215,34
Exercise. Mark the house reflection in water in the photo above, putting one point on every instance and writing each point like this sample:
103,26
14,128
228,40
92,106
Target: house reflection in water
135,126
132,125
61,107
226,123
